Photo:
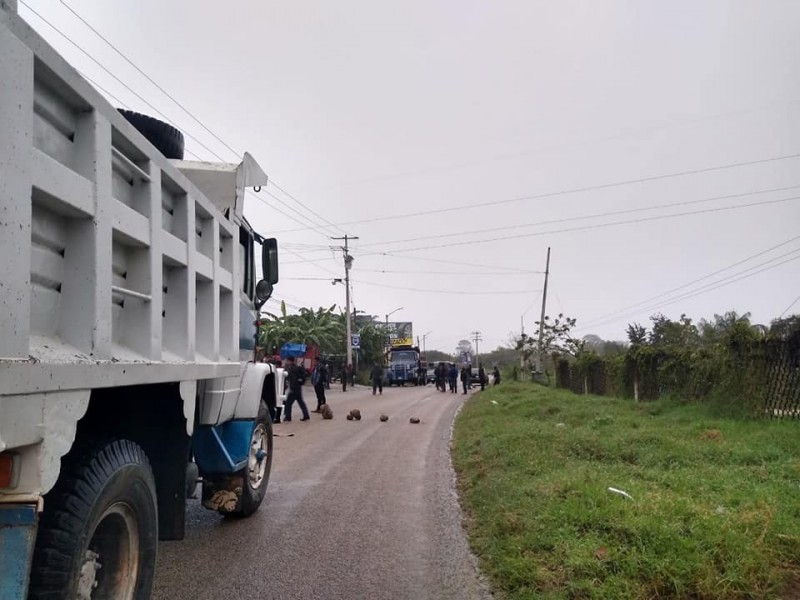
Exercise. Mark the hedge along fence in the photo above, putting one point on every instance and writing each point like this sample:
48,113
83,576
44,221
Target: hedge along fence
762,376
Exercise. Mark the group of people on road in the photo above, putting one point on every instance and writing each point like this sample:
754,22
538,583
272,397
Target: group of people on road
320,380
446,377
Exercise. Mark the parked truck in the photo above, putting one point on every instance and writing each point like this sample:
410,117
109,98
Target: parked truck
128,303
403,366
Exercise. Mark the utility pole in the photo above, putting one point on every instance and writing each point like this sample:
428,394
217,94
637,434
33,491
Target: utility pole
476,337
348,262
541,321
424,335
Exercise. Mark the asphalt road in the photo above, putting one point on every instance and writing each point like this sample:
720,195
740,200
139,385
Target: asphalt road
354,509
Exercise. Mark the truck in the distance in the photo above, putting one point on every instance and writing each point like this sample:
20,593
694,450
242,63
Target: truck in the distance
128,302
403,366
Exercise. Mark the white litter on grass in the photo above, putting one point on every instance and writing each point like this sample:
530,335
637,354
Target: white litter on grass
494,401
621,493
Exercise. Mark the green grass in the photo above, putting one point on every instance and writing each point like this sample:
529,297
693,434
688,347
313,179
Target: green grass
715,511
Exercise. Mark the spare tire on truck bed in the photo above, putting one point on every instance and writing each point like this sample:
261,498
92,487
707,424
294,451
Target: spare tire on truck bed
167,139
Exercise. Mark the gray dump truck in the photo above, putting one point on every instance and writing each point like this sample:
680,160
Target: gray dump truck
128,303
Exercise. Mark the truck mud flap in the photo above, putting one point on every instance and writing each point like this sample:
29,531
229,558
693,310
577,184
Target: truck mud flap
17,537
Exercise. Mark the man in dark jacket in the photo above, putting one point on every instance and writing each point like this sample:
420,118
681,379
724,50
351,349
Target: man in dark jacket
452,377
319,378
465,374
296,377
376,375
437,375
482,375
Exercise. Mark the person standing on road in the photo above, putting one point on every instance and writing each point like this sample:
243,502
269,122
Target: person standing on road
376,375
496,376
482,375
453,378
319,377
344,378
296,377
351,375
465,373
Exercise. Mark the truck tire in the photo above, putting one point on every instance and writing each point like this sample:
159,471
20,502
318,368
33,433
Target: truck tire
259,465
99,531
166,139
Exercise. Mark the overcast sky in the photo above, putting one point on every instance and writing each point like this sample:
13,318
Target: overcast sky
441,133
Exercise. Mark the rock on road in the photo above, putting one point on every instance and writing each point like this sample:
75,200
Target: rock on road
354,509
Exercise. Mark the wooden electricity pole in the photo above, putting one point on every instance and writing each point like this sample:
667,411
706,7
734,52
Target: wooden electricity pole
348,262
541,321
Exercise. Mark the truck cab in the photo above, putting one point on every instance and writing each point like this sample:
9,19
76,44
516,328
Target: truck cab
403,365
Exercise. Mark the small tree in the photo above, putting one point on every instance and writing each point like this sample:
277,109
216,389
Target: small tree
556,339
637,334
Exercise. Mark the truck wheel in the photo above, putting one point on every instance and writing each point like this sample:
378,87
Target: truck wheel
255,475
98,534
166,139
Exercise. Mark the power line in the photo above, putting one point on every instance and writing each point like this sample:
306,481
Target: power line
288,215
510,270
576,190
694,281
312,263
162,115
103,90
455,262
150,79
418,272
543,149
589,227
305,279
333,225
316,260
726,281
307,246
590,216
532,304
790,306
168,95
441,291
120,102
126,86
290,305
316,228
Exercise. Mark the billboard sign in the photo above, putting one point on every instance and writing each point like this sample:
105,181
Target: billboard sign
400,333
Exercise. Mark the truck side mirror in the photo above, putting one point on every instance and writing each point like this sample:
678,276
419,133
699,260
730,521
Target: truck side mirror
269,261
263,292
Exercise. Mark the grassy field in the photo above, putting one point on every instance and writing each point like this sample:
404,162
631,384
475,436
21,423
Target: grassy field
714,511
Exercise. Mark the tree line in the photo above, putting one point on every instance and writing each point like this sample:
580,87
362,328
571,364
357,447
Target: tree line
727,358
